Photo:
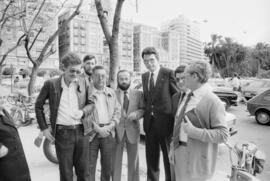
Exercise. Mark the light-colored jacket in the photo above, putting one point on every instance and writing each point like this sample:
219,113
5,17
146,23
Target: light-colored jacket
114,110
203,143
131,127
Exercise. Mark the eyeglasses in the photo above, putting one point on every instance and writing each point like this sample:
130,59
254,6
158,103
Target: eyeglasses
76,71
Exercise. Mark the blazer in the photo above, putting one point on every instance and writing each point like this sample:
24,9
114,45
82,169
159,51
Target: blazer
159,102
13,166
202,144
131,127
52,91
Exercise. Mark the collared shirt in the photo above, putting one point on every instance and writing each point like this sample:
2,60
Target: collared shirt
101,106
155,76
122,95
198,94
68,104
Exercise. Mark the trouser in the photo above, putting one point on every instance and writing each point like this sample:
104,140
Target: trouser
153,143
133,160
72,150
106,146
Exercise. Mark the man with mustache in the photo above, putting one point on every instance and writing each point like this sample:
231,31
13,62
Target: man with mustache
128,130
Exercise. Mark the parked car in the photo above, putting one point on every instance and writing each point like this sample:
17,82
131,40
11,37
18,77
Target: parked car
255,87
259,106
226,93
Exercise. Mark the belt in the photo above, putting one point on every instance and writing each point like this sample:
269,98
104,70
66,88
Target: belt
102,125
181,143
76,126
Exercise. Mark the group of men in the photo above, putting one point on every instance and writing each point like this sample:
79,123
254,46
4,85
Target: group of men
182,118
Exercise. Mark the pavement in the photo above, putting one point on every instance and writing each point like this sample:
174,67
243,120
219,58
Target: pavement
43,170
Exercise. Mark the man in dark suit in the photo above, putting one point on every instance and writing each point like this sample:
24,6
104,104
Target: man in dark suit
13,165
158,87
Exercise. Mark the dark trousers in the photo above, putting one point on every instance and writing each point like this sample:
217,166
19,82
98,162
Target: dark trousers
155,141
72,149
106,147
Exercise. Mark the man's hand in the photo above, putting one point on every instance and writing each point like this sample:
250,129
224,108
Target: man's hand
104,131
132,116
77,115
187,126
48,134
171,156
3,151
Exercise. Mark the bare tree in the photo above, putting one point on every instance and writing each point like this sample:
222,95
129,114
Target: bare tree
48,48
9,11
111,36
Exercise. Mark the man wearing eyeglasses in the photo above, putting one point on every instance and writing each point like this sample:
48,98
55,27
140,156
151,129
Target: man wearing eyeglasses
69,108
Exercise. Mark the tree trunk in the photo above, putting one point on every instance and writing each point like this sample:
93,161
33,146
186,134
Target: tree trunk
114,63
1,68
33,77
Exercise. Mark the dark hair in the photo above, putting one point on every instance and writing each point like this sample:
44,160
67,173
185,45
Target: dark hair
70,59
149,51
180,69
123,70
98,67
89,57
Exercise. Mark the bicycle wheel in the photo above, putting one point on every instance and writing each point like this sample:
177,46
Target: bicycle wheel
17,117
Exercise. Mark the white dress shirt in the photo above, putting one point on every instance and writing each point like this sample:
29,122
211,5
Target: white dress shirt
68,104
198,94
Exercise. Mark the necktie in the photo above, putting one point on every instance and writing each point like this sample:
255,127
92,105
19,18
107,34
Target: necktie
177,125
151,83
126,102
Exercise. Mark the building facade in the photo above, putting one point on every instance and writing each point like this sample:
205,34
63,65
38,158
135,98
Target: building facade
189,38
84,35
14,29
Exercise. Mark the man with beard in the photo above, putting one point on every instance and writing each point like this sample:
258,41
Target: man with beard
89,62
128,130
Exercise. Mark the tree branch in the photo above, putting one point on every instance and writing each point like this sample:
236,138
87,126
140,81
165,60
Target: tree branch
11,49
39,10
5,10
117,17
27,50
39,31
103,21
54,35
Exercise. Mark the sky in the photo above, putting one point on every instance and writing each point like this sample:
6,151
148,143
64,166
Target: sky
246,21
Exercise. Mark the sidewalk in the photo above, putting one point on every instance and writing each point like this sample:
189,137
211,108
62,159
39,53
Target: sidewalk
43,170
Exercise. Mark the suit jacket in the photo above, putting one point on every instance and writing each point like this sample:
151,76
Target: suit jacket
52,91
13,166
131,127
159,102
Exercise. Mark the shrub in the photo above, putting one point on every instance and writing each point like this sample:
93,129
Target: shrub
8,71
55,73
41,73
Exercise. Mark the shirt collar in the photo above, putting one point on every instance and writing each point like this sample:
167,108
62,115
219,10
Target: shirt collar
64,85
103,91
156,71
201,91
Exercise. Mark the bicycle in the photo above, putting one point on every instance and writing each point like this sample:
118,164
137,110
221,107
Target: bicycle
250,161
23,111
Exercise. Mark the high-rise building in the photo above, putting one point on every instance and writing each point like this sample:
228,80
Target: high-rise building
13,31
166,43
144,36
170,43
84,35
189,38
